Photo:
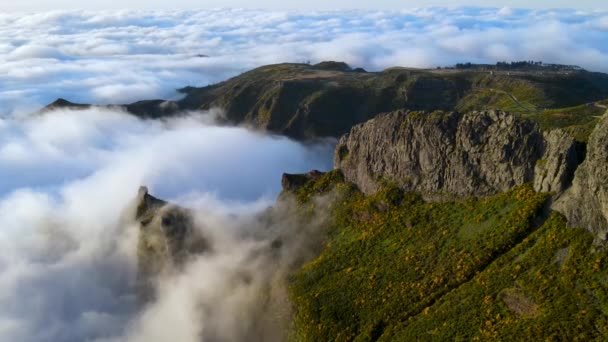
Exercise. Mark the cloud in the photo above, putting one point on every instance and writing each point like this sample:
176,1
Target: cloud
124,56
68,266
505,12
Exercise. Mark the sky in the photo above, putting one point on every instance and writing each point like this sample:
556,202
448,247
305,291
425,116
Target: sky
44,5
116,57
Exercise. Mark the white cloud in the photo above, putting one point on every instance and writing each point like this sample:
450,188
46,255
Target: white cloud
67,267
505,12
124,56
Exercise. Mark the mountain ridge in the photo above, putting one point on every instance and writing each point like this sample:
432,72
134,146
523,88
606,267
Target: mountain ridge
448,224
325,100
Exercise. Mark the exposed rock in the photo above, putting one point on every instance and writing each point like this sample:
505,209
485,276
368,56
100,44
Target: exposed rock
554,172
292,182
585,203
167,236
517,301
441,153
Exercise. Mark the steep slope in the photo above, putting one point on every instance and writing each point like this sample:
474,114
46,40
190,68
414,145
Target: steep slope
396,268
308,101
167,238
443,154
303,101
504,267
585,204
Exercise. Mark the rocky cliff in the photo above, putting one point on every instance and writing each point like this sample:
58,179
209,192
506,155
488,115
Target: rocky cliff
585,204
167,237
444,154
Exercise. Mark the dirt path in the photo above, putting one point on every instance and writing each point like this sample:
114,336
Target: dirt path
598,105
513,98
516,101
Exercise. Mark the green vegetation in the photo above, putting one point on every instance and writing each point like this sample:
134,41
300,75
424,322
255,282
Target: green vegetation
579,121
305,101
397,268
513,94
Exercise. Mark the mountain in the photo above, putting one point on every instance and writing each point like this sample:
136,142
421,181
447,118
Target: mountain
513,249
445,217
438,226
167,239
325,100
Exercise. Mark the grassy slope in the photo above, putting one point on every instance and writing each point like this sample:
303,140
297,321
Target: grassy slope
300,100
579,121
397,268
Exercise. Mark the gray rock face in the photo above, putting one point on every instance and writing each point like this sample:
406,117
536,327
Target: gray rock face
166,238
585,203
443,155
554,172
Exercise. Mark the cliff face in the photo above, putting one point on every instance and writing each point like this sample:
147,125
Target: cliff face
450,154
167,237
585,204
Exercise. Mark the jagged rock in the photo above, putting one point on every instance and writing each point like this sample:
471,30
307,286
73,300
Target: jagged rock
554,172
292,182
64,104
167,236
585,203
446,154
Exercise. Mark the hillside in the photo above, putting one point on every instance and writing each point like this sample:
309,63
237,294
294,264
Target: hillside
433,226
445,218
501,263
396,268
308,101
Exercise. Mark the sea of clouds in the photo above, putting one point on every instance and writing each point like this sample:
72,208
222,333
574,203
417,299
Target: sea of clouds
119,57
67,178
68,264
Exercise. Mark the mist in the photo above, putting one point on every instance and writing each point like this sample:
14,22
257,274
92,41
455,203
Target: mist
76,54
68,268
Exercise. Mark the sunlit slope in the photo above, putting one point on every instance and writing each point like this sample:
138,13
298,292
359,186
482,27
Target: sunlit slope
398,268
303,100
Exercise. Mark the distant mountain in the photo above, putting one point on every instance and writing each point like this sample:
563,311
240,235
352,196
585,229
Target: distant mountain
64,104
325,100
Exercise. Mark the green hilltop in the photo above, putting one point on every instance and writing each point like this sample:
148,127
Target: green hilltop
306,101
326,99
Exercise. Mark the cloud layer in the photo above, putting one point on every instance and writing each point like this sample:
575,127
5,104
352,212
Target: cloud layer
68,265
118,57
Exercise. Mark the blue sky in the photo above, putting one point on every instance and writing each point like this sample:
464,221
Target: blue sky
74,54
44,5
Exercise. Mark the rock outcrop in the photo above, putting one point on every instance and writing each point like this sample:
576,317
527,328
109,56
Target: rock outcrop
64,104
448,154
292,182
585,203
167,236
554,172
